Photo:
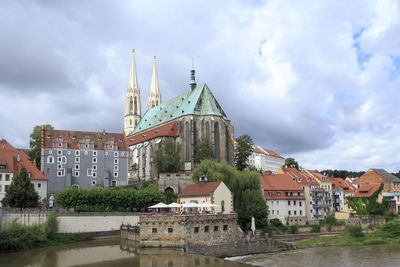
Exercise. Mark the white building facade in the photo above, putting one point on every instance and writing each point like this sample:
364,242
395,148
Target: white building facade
266,160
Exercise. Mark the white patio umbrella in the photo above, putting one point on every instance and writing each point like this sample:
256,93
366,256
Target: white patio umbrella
159,206
190,205
174,205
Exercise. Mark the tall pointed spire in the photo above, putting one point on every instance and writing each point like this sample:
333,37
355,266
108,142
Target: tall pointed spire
192,82
132,102
154,94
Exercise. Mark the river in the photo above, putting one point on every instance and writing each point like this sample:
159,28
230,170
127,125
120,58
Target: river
117,252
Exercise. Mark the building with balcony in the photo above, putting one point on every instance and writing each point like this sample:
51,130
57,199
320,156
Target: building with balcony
285,198
266,160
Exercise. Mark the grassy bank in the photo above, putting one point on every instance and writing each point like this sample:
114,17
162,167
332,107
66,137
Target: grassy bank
387,233
16,237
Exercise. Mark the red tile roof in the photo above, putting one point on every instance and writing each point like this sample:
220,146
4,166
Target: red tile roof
265,151
338,183
366,190
74,138
200,189
282,183
302,178
14,159
168,129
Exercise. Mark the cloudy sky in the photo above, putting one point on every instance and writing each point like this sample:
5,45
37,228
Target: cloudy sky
314,80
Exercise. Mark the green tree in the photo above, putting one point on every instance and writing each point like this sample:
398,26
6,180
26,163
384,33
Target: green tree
243,150
248,200
291,163
35,143
168,157
203,150
20,193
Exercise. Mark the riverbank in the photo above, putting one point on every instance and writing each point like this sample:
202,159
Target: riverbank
388,233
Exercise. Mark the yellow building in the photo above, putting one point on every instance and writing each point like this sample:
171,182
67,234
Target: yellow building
325,196
216,193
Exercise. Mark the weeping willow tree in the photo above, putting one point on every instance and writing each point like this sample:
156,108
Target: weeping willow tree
248,200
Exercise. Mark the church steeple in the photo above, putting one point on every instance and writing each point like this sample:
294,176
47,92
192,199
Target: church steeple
154,94
132,101
192,82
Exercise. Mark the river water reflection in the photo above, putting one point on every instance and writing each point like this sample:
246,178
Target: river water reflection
109,253
124,253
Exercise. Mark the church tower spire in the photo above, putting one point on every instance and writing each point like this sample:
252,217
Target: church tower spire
132,102
154,94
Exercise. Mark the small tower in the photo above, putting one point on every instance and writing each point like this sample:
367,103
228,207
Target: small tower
132,102
192,82
154,94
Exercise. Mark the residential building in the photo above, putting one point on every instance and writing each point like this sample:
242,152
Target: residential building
266,160
310,186
184,119
341,189
323,199
285,198
83,159
393,197
209,192
390,182
367,190
11,162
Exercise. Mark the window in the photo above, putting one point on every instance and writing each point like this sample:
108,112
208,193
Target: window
115,174
222,206
94,160
113,183
289,212
1,176
294,202
94,174
301,212
61,172
39,185
115,167
59,152
94,167
94,153
93,182
59,159
300,203
187,142
216,141
215,228
170,230
68,152
77,153
277,212
207,130
295,212
154,230
225,227
277,202
77,160
6,187
76,173
115,154
59,166
64,160
288,202
115,161
77,167
270,194
89,172
278,194
50,159
196,229
272,212
1,188
206,229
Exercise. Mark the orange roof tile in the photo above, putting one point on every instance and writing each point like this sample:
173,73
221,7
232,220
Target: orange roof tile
74,138
265,151
366,190
200,189
168,129
280,183
14,159
302,178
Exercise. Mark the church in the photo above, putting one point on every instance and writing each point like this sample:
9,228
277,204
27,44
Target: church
184,119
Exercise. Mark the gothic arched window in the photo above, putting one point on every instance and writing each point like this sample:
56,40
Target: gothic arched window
207,130
130,104
216,141
136,107
130,122
227,143
187,141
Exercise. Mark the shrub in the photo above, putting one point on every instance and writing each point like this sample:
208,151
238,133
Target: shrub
51,226
390,229
355,231
294,229
316,228
276,222
331,220
390,216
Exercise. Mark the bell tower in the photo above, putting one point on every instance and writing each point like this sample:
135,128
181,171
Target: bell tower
154,98
132,102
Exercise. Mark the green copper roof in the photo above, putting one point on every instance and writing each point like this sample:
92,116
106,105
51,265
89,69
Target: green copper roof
200,102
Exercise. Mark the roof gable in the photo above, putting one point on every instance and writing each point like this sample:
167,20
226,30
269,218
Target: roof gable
366,190
387,175
200,189
200,102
